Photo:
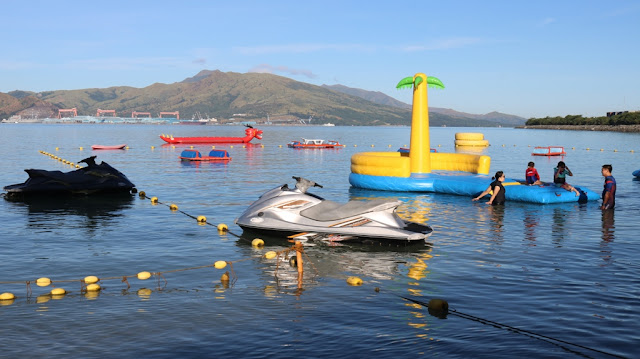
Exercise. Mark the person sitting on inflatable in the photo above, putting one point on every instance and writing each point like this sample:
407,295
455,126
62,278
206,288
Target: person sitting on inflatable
531,174
559,177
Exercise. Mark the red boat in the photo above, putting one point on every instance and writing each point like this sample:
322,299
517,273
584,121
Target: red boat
214,155
309,143
250,134
103,147
549,151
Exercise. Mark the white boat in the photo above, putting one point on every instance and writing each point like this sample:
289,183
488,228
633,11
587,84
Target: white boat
328,124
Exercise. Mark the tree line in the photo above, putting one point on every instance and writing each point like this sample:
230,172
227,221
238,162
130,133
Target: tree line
625,118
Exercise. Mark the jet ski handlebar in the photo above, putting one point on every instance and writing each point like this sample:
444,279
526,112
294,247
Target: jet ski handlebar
304,184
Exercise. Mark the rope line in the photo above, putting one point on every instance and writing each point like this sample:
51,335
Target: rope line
144,196
513,329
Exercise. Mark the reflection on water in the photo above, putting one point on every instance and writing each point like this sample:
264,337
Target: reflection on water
51,212
608,235
531,221
497,219
608,225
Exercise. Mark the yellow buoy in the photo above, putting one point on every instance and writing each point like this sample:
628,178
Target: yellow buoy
7,296
257,242
191,147
142,194
220,264
354,281
91,279
280,146
153,147
144,275
58,291
81,148
94,287
56,148
202,219
213,147
43,282
270,255
173,207
223,227
154,199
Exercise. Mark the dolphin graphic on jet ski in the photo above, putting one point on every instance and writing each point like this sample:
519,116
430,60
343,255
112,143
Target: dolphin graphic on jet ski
300,215
94,178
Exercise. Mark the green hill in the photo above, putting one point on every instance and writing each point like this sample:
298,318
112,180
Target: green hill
224,94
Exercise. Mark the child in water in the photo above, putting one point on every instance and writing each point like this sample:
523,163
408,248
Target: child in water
531,174
559,177
498,196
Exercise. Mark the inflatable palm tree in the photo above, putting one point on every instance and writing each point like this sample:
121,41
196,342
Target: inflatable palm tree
419,151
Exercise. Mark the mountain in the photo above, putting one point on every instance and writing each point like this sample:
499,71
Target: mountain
28,106
224,95
489,119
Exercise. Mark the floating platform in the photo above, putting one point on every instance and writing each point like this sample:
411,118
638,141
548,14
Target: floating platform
471,185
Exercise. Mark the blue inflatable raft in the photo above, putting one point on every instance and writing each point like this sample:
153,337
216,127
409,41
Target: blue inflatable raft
470,184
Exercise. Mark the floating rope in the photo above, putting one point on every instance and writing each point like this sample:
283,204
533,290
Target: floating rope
445,310
200,219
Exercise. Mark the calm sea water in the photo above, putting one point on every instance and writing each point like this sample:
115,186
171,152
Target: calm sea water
567,271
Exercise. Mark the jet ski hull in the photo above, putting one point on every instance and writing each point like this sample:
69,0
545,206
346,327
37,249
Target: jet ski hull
297,214
95,178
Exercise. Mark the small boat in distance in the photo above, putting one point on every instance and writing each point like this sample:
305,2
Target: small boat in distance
549,151
314,143
214,155
250,134
103,147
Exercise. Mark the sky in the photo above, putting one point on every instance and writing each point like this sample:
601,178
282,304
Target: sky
525,58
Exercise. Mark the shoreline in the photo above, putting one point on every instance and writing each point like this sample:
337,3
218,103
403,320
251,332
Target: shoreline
619,128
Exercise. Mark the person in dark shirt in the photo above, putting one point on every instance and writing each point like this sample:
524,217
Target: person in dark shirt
609,191
498,196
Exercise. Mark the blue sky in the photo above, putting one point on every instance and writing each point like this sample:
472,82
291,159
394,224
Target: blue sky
527,58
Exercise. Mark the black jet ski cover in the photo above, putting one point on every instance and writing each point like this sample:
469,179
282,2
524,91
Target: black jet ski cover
94,178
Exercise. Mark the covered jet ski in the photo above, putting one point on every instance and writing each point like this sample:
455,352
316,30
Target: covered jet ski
300,215
94,178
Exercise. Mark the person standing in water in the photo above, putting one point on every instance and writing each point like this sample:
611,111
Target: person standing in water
498,196
559,177
609,191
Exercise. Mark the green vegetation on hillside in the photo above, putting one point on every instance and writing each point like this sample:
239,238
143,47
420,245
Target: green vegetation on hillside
627,118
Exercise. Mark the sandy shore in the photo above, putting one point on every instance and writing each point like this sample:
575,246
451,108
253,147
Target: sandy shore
620,128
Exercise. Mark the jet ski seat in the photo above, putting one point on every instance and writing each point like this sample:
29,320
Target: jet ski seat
332,211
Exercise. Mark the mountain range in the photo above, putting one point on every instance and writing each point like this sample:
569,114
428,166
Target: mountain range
256,96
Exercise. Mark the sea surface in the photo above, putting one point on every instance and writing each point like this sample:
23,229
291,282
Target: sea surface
525,280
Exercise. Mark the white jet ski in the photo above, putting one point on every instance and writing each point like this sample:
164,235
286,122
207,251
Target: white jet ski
299,215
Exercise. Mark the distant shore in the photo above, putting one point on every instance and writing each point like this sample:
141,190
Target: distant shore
619,128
